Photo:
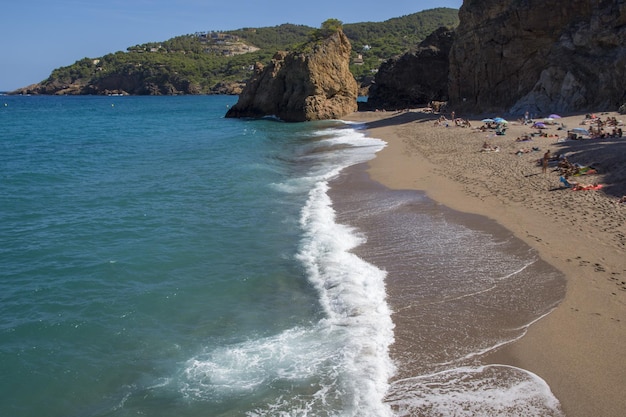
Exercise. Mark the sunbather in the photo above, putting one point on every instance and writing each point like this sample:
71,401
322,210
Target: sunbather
575,186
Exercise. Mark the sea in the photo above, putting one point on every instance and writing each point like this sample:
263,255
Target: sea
158,259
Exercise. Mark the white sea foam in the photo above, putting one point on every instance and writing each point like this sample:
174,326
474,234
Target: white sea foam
240,369
339,366
491,390
352,291
336,149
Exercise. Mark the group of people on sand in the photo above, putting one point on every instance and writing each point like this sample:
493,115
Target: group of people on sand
458,121
603,129
600,133
567,169
564,166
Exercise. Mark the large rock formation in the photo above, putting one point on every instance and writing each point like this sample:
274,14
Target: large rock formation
414,78
559,56
302,86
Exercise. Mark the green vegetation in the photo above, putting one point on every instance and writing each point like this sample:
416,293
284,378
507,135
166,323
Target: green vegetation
317,36
198,62
378,41
274,38
328,27
179,61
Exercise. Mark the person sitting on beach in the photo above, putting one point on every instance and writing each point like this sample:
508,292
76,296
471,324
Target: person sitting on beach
487,147
565,166
441,121
462,122
564,162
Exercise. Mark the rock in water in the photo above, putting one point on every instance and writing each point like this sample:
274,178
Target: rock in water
314,83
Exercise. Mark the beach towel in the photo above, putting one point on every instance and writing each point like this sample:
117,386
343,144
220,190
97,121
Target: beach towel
585,171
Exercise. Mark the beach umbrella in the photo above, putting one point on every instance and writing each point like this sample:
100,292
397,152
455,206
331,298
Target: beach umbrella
539,125
554,116
487,120
500,120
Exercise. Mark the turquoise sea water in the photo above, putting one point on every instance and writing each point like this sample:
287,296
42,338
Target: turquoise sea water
155,260
158,259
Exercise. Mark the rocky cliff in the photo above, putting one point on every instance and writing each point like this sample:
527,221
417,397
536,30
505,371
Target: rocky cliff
414,78
126,84
559,56
313,84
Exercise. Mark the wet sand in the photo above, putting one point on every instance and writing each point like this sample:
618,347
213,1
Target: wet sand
578,349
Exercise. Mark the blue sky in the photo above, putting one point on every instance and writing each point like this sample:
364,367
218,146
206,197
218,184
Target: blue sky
37,36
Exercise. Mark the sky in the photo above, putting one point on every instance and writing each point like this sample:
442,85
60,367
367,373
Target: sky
37,36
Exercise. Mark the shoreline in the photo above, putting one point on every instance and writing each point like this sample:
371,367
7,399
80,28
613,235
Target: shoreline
577,348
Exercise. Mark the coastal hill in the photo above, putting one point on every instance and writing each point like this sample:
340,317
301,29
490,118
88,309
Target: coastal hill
220,62
313,82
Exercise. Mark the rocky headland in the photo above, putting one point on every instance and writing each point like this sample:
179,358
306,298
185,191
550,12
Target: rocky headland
314,83
415,77
529,55
126,84
515,56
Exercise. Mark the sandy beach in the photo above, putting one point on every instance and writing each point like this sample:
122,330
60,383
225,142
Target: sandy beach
578,349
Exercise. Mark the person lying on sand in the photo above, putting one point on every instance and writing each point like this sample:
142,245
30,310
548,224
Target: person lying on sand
585,187
576,186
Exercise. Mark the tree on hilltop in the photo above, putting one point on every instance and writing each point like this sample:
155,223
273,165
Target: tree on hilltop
327,28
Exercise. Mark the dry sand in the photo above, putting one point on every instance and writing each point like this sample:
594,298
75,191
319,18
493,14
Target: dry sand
580,348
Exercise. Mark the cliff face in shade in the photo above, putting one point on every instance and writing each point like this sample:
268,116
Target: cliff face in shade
302,86
414,78
557,56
